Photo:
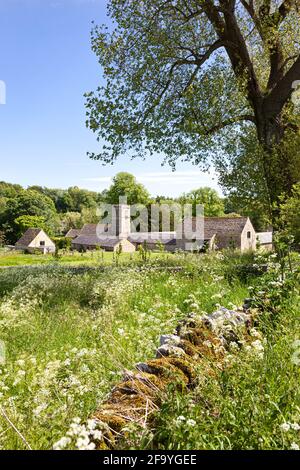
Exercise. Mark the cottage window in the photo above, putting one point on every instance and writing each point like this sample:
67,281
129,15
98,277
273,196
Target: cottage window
248,234
42,243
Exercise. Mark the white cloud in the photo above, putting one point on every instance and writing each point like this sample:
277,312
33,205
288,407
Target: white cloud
168,182
101,179
168,176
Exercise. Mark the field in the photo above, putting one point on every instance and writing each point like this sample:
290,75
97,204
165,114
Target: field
15,258
69,330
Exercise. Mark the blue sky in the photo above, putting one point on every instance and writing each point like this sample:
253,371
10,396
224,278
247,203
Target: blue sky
47,65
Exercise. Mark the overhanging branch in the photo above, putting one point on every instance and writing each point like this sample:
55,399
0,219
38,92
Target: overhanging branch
197,61
230,122
280,94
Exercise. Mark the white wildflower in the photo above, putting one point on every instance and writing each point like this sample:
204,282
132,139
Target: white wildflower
82,442
257,345
90,446
295,426
21,373
285,427
97,434
82,352
217,296
191,422
91,424
39,409
62,443
20,362
194,305
180,418
255,333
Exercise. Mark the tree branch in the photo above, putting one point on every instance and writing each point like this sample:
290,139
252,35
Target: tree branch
280,94
221,125
285,8
249,7
238,52
198,62
229,122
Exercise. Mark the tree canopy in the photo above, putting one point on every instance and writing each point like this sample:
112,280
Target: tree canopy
290,214
208,197
187,79
72,199
24,222
29,203
125,184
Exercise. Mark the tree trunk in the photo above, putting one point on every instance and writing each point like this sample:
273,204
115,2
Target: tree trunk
279,173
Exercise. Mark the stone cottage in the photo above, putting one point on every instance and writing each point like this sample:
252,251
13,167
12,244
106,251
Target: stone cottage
265,240
154,240
35,239
73,233
109,237
91,242
191,235
217,233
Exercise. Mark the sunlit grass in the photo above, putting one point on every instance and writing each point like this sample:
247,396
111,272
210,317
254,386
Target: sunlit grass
70,330
69,336
93,258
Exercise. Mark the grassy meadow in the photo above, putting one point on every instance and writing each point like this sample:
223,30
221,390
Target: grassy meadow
18,258
68,334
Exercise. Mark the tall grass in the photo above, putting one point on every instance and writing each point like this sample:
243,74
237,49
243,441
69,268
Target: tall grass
69,336
254,401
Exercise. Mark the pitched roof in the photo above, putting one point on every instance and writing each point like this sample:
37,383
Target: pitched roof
93,229
88,229
265,237
166,238
28,236
221,225
93,240
73,232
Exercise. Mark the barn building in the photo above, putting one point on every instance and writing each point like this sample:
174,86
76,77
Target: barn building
218,233
35,239
265,240
109,237
215,233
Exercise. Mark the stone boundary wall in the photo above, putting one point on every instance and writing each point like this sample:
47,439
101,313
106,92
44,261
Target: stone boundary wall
199,342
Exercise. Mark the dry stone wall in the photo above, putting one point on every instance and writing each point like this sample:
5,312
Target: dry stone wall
180,358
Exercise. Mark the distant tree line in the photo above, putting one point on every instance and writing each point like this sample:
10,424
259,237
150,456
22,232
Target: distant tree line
55,210
58,210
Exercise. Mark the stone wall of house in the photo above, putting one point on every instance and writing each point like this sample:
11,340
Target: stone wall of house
266,247
42,237
127,247
228,240
246,242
